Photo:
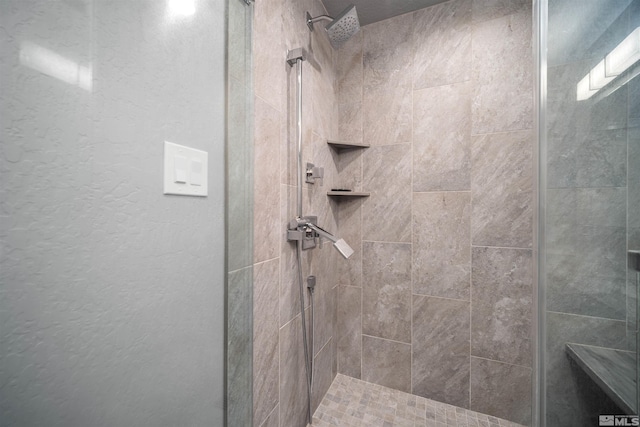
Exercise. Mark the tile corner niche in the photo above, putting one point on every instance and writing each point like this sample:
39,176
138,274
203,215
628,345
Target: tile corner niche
344,147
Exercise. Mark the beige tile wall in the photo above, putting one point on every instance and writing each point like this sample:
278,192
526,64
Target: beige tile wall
437,299
279,388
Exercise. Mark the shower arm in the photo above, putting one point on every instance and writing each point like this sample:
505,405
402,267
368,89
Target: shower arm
311,21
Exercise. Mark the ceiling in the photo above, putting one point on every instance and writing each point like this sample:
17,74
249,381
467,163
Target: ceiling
370,11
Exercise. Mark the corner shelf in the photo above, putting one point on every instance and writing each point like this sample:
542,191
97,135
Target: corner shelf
343,146
347,194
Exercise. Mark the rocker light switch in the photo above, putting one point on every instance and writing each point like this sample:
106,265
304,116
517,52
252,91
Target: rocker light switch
196,172
185,170
180,169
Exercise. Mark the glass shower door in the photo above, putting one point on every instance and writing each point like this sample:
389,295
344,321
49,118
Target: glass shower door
590,217
239,216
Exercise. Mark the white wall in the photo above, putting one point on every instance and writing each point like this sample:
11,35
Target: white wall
111,293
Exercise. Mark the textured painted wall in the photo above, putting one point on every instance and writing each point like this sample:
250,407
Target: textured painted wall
111,294
279,380
437,300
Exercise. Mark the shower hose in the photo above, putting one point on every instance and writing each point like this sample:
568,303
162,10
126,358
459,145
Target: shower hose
308,358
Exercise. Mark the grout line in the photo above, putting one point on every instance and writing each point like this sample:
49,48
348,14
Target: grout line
245,267
411,225
470,254
270,413
259,263
441,191
382,241
361,158
386,339
587,316
500,361
445,298
420,89
502,247
279,406
502,132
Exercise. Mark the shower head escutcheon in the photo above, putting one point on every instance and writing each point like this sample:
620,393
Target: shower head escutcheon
341,28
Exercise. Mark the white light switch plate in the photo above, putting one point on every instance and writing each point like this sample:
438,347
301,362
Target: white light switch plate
185,170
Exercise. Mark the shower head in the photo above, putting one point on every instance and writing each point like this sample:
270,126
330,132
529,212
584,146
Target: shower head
342,246
341,28
345,26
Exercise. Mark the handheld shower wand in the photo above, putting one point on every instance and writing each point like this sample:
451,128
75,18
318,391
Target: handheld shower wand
306,229
343,247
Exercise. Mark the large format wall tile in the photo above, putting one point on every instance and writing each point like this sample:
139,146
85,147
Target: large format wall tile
350,122
502,190
322,375
349,330
442,244
350,70
239,344
591,279
597,159
350,225
387,61
239,185
324,118
442,138
586,139
386,215
501,306
502,64
484,10
268,57
441,350
633,232
273,420
324,317
293,383
586,243
568,117
501,390
442,44
265,338
573,399
289,281
386,290
266,181
280,25
387,363
387,51
387,115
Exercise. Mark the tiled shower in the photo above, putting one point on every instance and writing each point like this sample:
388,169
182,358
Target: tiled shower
437,299
492,147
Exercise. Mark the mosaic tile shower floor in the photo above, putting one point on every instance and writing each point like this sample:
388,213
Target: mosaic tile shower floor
351,402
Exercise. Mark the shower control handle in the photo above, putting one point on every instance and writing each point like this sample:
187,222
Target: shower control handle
298,230
313,173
